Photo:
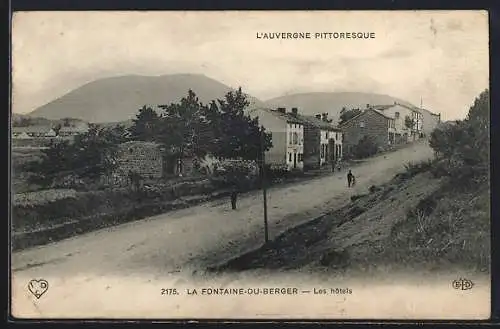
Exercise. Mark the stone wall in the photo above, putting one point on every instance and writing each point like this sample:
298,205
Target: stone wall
144,158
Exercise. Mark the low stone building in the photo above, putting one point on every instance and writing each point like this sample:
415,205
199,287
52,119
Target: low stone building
143,158
371,123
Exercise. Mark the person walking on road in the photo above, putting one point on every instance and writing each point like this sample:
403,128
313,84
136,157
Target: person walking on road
350,178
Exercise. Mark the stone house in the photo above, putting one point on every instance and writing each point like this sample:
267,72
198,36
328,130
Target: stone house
322,141
372,123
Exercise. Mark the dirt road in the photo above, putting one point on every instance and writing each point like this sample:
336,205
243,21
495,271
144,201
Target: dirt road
188,240
206,233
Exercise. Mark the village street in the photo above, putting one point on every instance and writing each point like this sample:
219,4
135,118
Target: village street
184,241
207,232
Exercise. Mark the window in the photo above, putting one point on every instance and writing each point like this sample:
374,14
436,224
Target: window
295,138
301,157
322,151
290,139
361,124
289,157
396,115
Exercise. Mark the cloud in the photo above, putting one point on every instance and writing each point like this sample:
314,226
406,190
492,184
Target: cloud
440,56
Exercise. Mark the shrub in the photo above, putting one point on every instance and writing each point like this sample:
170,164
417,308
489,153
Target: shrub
366,147
240,173
463,146
416,168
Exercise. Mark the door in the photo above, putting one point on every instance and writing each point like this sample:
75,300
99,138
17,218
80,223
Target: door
294,160
333,150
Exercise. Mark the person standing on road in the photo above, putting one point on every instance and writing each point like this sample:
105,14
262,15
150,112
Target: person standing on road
350,178
234,197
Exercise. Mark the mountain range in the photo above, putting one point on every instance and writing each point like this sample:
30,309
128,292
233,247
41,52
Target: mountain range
118,99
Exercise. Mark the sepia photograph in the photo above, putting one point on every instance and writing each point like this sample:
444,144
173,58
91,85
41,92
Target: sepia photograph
261,165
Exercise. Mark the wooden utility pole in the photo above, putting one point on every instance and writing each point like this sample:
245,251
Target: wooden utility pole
264,181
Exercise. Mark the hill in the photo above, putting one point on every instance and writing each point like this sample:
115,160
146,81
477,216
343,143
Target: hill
332,103
118,99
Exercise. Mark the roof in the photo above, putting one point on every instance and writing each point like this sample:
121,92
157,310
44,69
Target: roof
382,107
365,111
140,143
413,108
382,114
288,117
32,129
77,129
317,122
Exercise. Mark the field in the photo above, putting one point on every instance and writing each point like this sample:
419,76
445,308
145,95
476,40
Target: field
20,157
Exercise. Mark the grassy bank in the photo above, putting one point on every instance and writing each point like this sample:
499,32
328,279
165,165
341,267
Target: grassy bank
414,222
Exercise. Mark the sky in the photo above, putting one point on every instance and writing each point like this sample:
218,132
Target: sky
438,57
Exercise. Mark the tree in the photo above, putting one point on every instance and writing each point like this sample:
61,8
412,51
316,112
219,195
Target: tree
366,147
66,122
238,135
179,129
89,156
57,128
145,125
408,122
465,145
22,122
346,115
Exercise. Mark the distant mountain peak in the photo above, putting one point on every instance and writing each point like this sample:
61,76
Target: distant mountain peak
119,98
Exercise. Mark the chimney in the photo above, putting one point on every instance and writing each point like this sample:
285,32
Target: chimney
325,117
281,109
294,111
318,116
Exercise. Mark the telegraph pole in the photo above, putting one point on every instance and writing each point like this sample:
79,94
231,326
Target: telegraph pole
264,182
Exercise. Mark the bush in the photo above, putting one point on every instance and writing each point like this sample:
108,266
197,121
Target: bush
366,147
416,168
463,147
240,173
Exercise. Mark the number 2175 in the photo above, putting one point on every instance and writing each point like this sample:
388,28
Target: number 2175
169,291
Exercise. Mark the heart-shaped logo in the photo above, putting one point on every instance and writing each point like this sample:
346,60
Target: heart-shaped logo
38,287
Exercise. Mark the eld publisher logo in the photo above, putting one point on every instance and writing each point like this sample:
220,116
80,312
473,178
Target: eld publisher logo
463,284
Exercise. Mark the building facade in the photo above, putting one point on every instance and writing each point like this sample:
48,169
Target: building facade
322,141
429,121
287,133
33,132
402,115
372,123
